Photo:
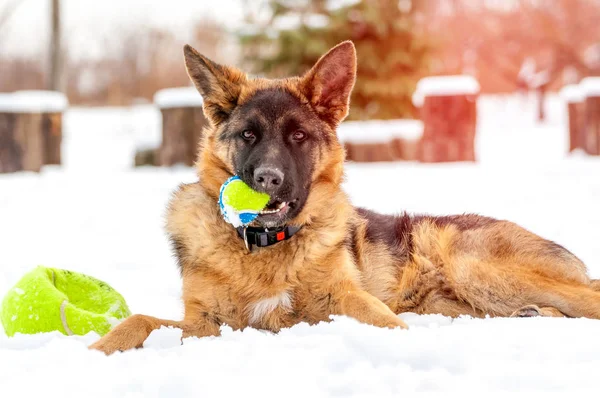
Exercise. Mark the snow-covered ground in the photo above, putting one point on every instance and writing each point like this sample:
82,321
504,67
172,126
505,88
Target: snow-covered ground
99,216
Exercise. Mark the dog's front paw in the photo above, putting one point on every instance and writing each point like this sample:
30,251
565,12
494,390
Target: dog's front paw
108,347
396,322
130,334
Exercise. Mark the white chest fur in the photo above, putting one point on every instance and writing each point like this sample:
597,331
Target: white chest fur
263,307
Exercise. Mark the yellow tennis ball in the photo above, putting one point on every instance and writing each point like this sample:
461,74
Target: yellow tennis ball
239,203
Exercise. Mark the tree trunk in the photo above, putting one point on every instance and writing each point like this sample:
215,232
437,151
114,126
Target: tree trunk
54,81
541,96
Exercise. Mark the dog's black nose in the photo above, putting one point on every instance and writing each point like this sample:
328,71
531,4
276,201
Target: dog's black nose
269,178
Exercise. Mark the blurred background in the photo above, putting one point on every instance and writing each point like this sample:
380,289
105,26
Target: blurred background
123,53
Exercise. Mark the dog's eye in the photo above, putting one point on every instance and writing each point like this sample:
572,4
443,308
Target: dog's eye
248,135
299,136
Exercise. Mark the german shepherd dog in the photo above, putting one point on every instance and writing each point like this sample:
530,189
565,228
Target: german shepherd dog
311,254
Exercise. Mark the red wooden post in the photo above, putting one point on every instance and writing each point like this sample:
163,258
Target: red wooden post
574,98
448,106
590,87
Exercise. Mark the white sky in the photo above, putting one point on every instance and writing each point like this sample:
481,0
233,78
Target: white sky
89,23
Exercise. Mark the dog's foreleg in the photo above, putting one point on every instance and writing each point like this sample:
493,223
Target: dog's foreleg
133,331
368,309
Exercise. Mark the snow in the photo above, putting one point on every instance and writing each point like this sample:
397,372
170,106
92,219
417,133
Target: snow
572,93
527,69
590,86
335,5
165,337
444,86
539,79
99,216
32,101
178,97
529,76
379,131
591,56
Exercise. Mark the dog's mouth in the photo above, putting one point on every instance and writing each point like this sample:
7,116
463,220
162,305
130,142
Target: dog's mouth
277,207
276,212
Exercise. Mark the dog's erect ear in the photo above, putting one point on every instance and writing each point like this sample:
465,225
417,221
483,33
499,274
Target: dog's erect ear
219,85
329,83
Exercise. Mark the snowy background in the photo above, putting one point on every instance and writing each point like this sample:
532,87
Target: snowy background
98,215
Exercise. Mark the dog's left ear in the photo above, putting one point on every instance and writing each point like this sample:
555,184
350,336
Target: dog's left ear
329,83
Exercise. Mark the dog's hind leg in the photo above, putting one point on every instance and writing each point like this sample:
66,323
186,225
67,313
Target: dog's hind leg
552,296
533,310
573,300
500,289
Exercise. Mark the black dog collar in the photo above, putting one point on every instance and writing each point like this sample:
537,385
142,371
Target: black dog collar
262,237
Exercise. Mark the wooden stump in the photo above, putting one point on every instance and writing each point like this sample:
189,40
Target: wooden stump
30,130
405,148
52,127
577,138
182,128
182,124
576,115
449,114
23,142
592,125
380,140
11,152
394,150
590,90
369,152
146,157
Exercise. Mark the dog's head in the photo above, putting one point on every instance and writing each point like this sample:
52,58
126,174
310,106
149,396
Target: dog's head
279,136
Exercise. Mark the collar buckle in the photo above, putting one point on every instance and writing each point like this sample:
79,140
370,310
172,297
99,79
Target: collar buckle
245,238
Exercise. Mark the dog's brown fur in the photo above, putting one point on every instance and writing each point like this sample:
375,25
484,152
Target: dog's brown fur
344,260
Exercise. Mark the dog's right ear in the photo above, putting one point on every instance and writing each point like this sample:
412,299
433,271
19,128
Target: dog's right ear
328,85
219,85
